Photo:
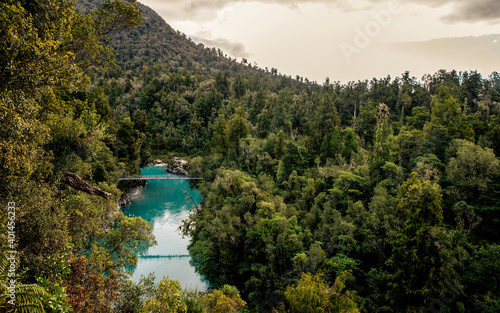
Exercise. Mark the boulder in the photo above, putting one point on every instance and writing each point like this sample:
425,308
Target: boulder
177,166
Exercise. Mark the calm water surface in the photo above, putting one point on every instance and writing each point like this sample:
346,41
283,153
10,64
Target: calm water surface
163,204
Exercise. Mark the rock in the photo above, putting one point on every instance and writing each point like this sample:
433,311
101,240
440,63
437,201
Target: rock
209,291
135,193
158,162
177,166
124,200
134,188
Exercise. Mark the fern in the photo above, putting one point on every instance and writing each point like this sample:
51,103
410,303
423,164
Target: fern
28,296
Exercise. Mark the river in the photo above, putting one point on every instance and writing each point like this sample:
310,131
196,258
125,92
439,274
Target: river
163,204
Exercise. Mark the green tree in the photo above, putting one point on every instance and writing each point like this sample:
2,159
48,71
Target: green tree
383,145
239,86
331,147
419,116
419,250
312,294
351,145
221,138
166,298
126,144
366,122
481,278
446,111
323,121
101,103
120,245
279,148
469,168
222,83
140,121
224,300
134,295
293,160
238,129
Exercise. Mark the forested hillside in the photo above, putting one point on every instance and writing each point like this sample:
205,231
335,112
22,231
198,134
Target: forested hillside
373,196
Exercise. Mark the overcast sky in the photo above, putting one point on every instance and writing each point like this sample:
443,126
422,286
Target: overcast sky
345,40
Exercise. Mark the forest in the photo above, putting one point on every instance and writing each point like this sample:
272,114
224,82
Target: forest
376,196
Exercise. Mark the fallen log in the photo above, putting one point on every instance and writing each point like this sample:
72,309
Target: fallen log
76,182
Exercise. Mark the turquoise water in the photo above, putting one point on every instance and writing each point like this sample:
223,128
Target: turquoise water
163,203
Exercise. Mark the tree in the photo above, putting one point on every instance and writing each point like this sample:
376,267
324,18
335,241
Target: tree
445,111
383,144
331,146
166,298
44,46
132,296
351,145
419,116
481,277
469,168
224,300
279,148
126,141
18,297
366,122
34,66
140,120
221,138
293,160
419,250
325,118
131,236
115,15
237,129
239,86
101,104
88,288
222,83
312,294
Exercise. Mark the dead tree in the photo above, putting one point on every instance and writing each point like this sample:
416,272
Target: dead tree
76,182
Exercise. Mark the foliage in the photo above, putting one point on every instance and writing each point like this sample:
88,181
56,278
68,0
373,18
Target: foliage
225,300
419,257
312,294
24,297
469,168
166,298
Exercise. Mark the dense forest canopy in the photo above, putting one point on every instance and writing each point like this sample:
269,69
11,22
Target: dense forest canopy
373,196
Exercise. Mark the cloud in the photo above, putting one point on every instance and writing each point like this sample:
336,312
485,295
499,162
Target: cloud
462,10
234,49
474,11
206,10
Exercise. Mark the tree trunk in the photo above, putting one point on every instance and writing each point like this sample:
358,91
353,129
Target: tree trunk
76,182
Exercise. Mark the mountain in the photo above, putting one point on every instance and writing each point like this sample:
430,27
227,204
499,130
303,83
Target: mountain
156,41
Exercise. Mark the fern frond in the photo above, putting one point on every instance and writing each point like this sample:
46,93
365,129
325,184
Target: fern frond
28,298
29,308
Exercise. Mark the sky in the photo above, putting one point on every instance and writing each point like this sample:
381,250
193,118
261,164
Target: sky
346,40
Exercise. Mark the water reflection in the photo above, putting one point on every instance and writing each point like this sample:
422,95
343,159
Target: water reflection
163,203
